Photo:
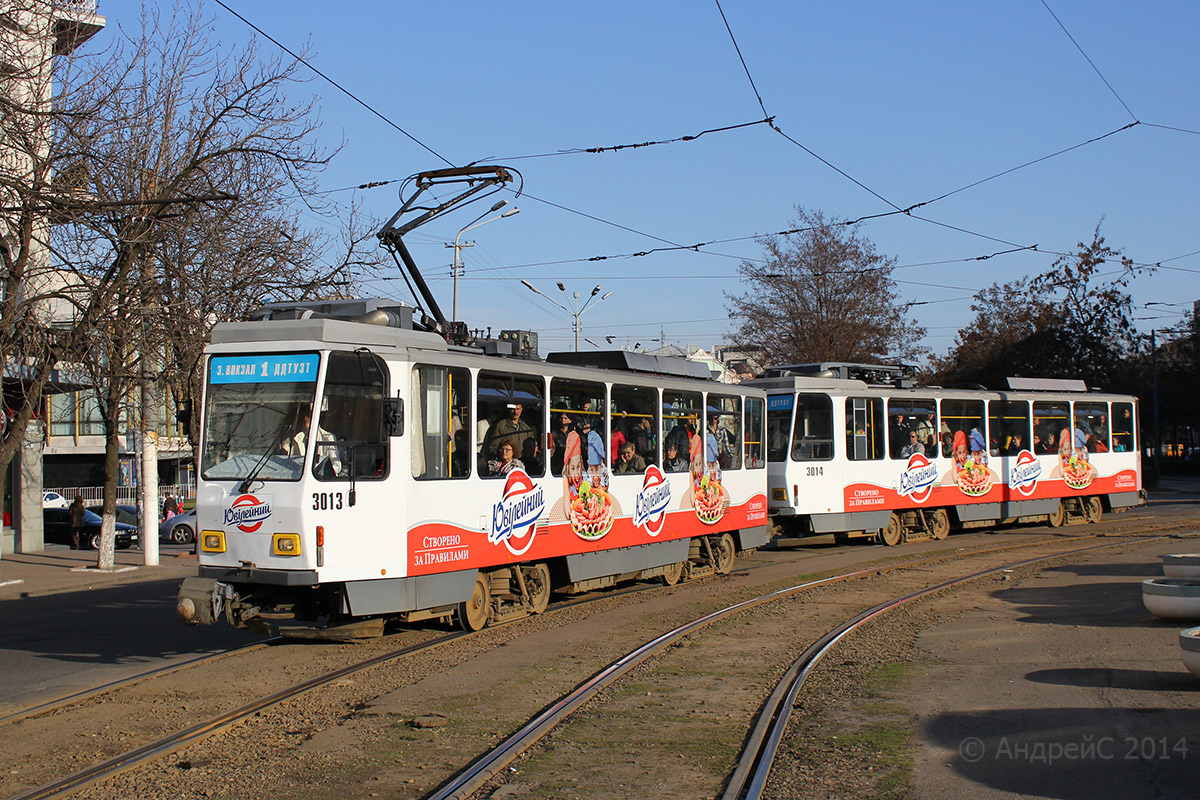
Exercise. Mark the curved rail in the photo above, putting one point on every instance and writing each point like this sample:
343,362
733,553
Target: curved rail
754,765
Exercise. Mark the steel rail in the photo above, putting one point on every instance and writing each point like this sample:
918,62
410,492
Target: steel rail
749,778
488,765
105,688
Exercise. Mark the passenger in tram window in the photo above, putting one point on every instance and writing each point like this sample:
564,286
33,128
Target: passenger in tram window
628,461
460,461
978,447
1015,443
925,434
947,444
505,461
1098,445
712,448
1079,437
511,427
558,441
594,447
913,447
531,456
643,438
618,439
1043,445
673,461
898,433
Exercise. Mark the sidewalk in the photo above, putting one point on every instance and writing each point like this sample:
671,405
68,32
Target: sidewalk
60,569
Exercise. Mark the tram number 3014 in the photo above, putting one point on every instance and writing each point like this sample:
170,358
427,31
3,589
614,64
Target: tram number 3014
327,501
813,471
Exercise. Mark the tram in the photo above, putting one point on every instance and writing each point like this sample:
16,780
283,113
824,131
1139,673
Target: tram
861,450
354,470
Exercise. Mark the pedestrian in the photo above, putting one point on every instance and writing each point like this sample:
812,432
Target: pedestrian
170,507
76,518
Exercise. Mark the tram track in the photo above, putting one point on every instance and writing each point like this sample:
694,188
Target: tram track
189,735
753,766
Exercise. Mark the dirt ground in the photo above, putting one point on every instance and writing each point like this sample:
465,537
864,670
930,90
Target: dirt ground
1067,653
1062,686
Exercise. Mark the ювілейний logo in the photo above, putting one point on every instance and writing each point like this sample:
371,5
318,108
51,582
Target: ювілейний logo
248,513
1025,473
918,478
650,505
516,515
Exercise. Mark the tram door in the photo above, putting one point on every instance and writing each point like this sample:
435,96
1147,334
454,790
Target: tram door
816,479
350,494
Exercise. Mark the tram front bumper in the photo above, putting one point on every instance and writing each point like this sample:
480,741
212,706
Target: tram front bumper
200,600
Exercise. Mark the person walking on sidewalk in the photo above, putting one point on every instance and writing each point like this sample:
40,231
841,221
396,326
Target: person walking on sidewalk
76,515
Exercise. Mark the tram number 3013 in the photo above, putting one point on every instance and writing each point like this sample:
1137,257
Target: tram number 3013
327,501
814,471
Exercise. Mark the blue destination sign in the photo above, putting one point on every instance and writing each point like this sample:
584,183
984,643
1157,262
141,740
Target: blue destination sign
779,402
291,368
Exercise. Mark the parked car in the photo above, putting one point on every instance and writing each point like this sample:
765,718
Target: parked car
180,529
125,514
54,500
56,524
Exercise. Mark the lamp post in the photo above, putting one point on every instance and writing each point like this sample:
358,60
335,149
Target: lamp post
475,223
575,310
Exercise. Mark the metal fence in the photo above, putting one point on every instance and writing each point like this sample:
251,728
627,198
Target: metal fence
94,495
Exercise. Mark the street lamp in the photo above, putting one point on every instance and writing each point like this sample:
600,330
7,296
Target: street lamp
475,223
575,310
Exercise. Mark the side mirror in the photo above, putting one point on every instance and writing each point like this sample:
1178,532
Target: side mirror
393,416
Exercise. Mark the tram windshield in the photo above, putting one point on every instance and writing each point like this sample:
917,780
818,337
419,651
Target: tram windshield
258,416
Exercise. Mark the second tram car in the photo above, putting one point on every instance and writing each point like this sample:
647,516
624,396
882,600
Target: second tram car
861,450
352,473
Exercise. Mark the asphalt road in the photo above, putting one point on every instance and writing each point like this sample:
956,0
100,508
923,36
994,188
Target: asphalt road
58,644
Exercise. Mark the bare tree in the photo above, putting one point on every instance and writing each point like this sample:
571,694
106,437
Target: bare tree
186,161
823,293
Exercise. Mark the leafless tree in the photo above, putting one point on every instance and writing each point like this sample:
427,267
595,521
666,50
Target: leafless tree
156,190
823,293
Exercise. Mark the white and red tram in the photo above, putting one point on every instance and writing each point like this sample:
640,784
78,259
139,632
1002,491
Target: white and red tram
353,472
860,450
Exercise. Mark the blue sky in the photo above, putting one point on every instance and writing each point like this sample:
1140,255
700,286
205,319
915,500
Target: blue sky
911,100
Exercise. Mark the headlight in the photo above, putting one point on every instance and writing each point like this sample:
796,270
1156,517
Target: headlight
212,541
286,544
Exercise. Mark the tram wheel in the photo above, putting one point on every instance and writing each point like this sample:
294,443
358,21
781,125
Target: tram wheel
1058,517
1093,509
893,533
724,554
537,581
673,574
475,613
940,523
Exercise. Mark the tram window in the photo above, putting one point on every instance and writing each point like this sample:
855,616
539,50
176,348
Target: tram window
864,428
962,430
779,426
908,416
812,436
724,423
576,410
350,441
755,407
509,410
1091,427
635,411
1051,424
682,423
440,414
1122,428
1008,421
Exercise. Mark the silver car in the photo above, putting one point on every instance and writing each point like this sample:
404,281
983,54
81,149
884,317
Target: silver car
180,529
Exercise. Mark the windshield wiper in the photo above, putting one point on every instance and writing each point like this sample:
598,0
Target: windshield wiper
244,486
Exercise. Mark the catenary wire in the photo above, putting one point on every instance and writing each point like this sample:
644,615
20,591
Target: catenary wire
332,82
1089,60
